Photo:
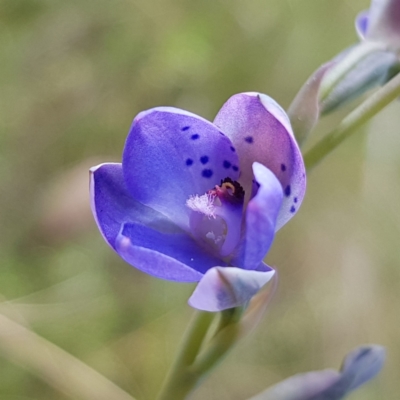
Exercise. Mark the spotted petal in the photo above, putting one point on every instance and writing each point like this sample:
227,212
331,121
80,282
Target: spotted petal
173,256
112,205
261,215
170,155
227,287
260,131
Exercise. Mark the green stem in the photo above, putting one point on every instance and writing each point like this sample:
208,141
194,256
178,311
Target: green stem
215,352
370,107
221,342
190,366
337,73
180,380
228,316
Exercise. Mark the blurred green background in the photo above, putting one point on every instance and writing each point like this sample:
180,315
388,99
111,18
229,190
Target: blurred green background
73,74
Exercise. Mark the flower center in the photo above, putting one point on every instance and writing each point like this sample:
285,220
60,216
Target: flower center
230,190
217,217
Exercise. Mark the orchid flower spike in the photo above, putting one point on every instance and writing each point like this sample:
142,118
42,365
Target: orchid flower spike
381,23
195,201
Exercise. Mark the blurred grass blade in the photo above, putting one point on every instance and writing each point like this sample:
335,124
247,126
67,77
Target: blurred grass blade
54,365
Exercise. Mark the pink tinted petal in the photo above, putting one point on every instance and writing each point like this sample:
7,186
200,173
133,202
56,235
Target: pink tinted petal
361,24
172,256
112,205
227,287
261,216
170,155
305,108
260,131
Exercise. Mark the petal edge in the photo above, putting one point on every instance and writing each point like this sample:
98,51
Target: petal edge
227,287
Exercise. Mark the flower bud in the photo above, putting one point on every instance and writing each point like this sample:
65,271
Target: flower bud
381,23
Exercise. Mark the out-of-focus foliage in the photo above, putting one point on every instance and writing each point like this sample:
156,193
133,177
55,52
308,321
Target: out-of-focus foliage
73,74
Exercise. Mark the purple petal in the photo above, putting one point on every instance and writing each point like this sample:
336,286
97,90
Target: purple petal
301,387
173,256
384,22
361,24
170,155
260,131
363,364
227,287
112,205
261,216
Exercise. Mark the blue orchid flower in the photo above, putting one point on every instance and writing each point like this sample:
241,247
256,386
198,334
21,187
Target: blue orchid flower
195,201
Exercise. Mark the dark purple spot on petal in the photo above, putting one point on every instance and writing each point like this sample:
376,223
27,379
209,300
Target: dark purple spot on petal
207,173
204,159
293,209
185,128
189,161
295,199
195,136
227,164
223,134
249,139
288,190
256,183
283,167
233,149
235,168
